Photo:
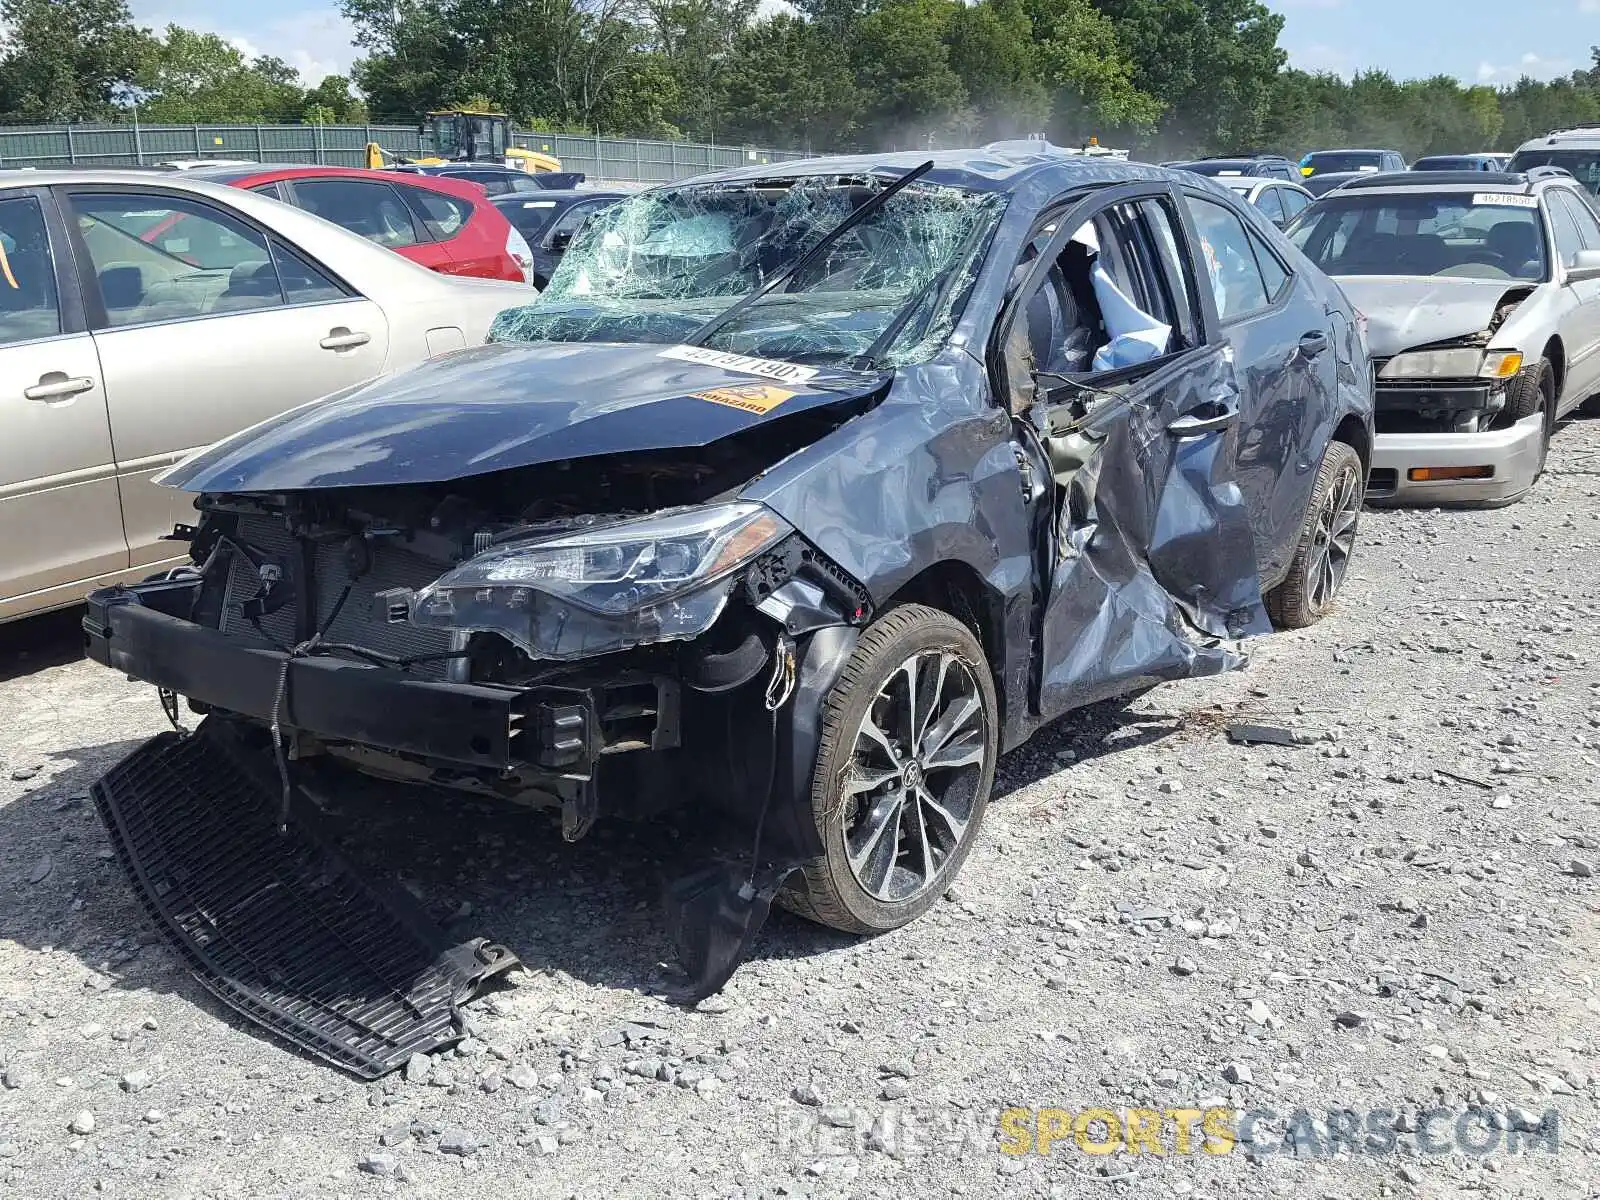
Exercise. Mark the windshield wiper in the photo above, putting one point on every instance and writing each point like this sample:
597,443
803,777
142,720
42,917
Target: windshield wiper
726,317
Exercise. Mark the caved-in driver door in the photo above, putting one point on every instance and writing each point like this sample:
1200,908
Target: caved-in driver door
1150,562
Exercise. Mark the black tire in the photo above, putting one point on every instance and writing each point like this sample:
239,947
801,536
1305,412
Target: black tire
1306,594
827,889
1531,390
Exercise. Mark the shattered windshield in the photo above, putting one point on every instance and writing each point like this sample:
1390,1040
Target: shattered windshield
658,266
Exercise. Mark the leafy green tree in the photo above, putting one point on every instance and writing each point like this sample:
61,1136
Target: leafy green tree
189,76
907,89
991,49
65,60
333,94
1213,63
789,83
1089,73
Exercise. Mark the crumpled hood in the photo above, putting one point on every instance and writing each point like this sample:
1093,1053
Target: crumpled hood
509,405
1405,311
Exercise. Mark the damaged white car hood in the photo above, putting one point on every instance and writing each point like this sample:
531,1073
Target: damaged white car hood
1406,311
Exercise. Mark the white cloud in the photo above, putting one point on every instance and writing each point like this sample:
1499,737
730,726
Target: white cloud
1589,6
316,42
1531,64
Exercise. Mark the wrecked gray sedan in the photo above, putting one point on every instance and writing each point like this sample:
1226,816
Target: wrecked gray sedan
799,496
1482,294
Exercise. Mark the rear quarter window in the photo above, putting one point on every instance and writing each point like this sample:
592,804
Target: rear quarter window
445,216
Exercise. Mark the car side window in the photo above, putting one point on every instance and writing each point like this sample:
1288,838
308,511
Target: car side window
524,183
1294,203
445,216
1568,240
270,190
1270,203
374,210
1229,258
303,281
29,307
1582,216
569,222
1115,297
168,258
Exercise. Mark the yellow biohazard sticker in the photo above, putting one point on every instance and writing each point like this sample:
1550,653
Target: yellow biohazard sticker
758,398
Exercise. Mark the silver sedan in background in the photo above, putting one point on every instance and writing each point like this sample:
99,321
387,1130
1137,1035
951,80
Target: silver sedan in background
143,317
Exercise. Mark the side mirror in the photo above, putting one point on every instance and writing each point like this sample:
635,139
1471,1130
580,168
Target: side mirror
1585,265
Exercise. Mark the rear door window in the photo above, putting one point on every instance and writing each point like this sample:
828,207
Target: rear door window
374,210
29,306
1230,259
1294,202
1271,204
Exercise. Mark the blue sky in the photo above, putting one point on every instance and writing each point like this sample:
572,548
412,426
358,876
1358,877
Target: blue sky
1478,41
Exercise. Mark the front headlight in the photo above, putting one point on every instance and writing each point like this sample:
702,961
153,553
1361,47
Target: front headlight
1433,364
1453,364
659,578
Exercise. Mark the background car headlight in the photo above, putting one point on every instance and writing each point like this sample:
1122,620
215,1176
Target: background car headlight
1433,364
660,578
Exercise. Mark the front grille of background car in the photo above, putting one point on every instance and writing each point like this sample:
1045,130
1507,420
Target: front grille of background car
361,622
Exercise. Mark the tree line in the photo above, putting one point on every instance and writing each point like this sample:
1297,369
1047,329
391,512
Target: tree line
1162,77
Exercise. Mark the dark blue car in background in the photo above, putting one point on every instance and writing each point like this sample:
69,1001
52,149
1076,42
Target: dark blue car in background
800,494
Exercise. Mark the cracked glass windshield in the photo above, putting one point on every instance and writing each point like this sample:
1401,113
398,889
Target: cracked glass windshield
659,266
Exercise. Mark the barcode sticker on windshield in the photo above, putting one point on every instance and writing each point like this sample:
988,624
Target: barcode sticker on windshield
771,368
1505,200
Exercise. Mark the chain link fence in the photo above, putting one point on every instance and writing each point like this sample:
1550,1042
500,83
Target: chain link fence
615,159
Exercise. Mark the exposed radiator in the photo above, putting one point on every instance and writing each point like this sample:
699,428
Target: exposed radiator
362,620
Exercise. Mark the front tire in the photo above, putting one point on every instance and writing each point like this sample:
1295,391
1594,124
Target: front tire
1531,390
904,769
1323,554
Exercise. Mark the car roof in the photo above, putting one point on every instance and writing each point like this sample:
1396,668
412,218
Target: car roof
998,167
1507,182
1583,137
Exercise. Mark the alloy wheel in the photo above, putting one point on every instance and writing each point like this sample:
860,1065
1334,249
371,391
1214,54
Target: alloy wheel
911,787
1334,537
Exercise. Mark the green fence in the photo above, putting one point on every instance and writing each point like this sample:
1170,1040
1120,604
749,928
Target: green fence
345,145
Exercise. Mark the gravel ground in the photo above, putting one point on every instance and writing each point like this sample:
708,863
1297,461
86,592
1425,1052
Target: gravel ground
1397,915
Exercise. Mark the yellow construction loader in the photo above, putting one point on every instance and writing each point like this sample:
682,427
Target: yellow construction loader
463,135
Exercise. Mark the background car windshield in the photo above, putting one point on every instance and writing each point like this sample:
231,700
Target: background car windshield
1584,164
657,266
1447,235
1217,168
1343,160
1448,162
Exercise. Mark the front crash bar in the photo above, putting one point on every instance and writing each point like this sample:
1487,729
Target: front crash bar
333,698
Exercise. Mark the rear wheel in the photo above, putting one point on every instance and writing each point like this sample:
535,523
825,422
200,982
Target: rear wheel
904,770
1323,554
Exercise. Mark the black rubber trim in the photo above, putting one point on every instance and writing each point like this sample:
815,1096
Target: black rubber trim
276,925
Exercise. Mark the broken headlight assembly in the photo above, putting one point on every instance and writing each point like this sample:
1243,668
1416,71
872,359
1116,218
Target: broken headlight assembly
1453,364
659,578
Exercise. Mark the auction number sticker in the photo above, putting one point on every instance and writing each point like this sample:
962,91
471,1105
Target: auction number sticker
1505,200
759,398
782,371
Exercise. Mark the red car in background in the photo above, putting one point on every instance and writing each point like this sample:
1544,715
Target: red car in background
446,225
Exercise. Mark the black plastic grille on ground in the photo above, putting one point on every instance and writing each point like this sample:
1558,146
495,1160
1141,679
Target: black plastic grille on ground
276,925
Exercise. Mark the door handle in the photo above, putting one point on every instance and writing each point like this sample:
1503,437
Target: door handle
1194,425
57,385
341,338
1313,343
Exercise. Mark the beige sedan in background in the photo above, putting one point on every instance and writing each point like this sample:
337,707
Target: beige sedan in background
145,316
